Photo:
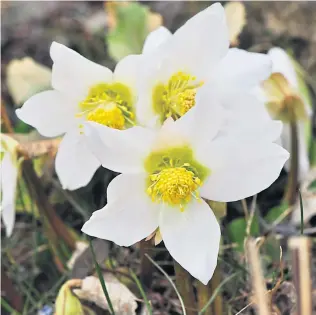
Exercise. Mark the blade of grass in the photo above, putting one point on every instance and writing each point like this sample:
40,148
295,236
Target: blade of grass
99,272
216,291
8,307
171,282
142,292
302,212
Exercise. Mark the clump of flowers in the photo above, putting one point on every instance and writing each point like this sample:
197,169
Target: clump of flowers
181,125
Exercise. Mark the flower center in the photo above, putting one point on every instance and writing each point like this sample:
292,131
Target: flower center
110,117
174,176
175,186
110,105
176,97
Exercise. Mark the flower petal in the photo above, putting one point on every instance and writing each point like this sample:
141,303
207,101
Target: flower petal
192,237
246,115
200,43
240,167
207,114
155,39
130,215
49,112
9,173
240,69
73,74
121,151
282,63
126,71
75,164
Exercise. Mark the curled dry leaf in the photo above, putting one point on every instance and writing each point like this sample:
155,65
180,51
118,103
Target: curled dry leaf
123,300
236,20
308,192
25,77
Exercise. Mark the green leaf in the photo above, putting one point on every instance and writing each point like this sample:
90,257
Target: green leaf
275,212
237,231
130,31
312,185
312,152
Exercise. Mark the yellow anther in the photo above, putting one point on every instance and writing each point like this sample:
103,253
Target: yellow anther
174,185
176,97
112,118
108,104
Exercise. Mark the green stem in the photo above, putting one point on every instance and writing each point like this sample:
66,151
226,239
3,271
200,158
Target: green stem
292,184
185,287
142,292
101,278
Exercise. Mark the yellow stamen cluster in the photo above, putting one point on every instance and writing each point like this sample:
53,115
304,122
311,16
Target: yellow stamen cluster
112,118
106,106
175,186
179,95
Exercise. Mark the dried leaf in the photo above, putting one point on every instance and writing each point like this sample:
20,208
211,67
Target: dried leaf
25,77
80,248
84,265
236,20
123,300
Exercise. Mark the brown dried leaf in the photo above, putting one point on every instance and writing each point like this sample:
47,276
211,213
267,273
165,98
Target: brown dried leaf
84,265
123,300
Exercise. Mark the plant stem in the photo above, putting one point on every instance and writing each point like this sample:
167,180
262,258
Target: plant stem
203,295
185,287
292,184
36,190
214,284
146,267
5,119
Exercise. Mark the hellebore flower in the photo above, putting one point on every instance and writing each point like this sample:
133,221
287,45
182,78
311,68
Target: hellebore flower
9,176
167,172
285,102
175,67
83,91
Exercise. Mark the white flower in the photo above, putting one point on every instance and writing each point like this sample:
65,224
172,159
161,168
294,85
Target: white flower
167,172
282,86
9,175
83,90
177,66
